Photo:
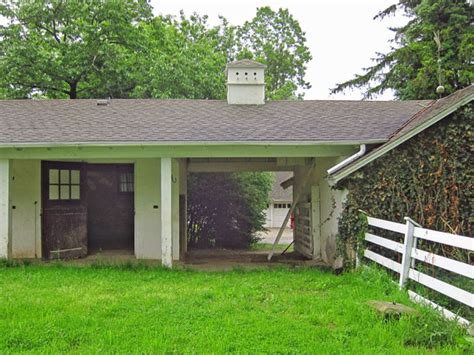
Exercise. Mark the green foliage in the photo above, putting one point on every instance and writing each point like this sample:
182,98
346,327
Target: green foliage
275,38
66,48
412,68
183,59
90,49
115,309
428,178
226,210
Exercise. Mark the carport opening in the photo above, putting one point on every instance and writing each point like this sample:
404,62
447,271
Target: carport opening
219,227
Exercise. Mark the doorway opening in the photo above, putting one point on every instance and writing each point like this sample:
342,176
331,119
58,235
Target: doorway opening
87,209
110,207
221,223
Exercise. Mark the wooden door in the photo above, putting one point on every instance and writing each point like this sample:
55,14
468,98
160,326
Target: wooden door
64,217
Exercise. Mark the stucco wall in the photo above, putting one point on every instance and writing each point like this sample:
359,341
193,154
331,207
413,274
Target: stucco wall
175,187
4,207
330,205
147,218
26,208
24,201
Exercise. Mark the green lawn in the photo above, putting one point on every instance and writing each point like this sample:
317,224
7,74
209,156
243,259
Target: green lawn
51,309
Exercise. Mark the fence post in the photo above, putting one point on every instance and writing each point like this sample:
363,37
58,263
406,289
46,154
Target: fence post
407,247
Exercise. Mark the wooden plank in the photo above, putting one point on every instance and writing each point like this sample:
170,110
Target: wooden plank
442,287
453,240
305,241
382,260
316,220
406,252
445,312
381,223
304,250
384,242
304,229
444,263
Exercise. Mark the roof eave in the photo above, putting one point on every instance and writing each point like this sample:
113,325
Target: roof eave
358,164
185,143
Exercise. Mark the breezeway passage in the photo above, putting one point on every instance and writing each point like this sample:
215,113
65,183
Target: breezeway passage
129,309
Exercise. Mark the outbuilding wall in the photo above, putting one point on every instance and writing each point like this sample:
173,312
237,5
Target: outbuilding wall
326,205
25,207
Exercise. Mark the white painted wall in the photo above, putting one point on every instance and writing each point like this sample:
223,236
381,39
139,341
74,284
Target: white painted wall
245,86
330,206
175,187
147,218
26,208
5,220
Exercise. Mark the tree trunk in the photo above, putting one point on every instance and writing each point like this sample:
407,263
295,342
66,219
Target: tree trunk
73,90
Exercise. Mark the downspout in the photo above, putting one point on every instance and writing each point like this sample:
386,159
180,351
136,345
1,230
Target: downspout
347,161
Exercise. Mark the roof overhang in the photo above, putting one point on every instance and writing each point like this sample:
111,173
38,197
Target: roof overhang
391,144
187,143
176,150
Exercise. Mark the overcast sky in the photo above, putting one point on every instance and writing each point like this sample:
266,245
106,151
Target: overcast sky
341,34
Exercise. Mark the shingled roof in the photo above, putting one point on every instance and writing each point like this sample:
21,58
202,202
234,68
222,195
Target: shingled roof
124,121
424,119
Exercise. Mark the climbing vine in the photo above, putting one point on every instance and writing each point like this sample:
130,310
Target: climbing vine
428,178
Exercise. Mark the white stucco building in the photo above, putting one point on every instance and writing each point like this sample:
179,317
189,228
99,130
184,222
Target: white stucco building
76,175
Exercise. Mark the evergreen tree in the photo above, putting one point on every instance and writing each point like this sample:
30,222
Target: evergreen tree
435,47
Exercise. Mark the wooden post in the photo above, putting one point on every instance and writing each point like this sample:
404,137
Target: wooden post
406,256
166,214
5,213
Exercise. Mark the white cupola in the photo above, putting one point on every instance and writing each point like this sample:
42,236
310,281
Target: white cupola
245,82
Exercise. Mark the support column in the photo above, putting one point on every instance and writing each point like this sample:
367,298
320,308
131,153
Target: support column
5,213
166,214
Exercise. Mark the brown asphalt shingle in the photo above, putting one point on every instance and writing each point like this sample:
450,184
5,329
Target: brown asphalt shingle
75,121
437,107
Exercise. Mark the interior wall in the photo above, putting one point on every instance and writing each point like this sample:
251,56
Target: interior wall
26,208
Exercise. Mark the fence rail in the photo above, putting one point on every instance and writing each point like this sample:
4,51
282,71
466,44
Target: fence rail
410,253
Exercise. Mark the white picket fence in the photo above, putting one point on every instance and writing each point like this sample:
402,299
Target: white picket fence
410,253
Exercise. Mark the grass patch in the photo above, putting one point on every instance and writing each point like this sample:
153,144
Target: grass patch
138,308
269,246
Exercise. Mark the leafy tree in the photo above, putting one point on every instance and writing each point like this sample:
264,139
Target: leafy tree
183,60
230,216
435,47
276,39
186,57
66,48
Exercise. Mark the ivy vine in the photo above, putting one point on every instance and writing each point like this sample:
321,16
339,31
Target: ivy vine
428,178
